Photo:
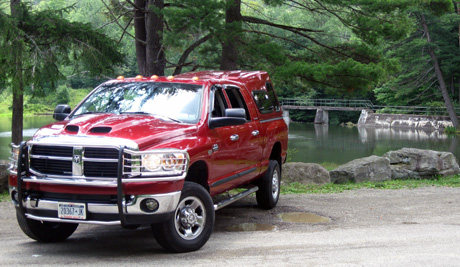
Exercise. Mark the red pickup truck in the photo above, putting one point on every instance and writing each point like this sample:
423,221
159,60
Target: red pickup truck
152,150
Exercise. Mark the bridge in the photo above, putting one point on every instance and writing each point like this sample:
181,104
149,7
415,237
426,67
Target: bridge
323,106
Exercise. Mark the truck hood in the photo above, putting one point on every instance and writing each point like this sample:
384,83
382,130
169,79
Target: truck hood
142,129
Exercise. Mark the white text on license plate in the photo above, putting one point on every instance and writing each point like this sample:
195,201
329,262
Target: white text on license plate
68,210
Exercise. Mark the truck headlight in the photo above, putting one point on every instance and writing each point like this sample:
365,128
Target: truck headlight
164,162
159,162
14,157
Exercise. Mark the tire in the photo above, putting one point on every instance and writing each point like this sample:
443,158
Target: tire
46,232
269,186
191,226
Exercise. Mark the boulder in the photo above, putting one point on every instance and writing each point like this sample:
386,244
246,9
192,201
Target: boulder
4,175
371,168
419,163
305,173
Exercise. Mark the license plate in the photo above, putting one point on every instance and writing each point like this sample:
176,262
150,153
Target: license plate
68,210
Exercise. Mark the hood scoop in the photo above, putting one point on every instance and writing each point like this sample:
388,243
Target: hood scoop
101,130
72,128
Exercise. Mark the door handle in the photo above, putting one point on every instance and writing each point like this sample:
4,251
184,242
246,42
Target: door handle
234,137
255,133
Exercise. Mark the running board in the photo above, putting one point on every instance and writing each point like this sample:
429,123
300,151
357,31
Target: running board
235,198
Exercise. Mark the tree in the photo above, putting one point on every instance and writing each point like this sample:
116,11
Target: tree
429,57
33,44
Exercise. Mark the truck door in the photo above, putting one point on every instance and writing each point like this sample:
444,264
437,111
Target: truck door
225,165
250,139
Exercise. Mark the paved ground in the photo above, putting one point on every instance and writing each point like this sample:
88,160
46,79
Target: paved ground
419,227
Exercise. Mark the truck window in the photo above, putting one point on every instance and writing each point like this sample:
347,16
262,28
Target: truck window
272,96
219,103
236,99
263,101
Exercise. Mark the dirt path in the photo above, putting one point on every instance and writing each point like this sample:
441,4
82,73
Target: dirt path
419,227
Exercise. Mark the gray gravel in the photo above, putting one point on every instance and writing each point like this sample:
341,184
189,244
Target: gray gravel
419,227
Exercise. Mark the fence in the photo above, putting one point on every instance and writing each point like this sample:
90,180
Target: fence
343,104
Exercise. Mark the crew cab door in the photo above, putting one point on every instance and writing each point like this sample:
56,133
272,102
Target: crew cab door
229,165
251,141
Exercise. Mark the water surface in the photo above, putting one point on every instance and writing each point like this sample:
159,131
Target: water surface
340,144
307,142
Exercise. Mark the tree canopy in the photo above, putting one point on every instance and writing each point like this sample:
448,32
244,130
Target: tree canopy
34,45
321,48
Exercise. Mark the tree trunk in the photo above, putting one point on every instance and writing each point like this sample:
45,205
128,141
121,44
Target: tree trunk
233,18
148,27
140,34
17,83
439,75
156,61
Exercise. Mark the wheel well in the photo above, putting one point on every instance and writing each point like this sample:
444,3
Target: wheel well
276,153
198,173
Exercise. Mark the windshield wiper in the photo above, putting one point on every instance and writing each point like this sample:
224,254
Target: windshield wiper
159,116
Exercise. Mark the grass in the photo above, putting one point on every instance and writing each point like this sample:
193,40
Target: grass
298,188
4,196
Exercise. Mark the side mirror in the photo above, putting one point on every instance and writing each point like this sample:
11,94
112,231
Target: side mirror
235,113
233,116
61,112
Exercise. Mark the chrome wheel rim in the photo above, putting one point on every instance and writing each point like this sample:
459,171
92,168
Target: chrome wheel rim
190,218
275,184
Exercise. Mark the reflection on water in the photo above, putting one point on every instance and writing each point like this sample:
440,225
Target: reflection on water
338,144
31,125
302,217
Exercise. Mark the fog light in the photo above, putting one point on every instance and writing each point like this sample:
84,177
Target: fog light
149,205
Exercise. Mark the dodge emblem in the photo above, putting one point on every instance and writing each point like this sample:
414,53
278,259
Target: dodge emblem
77,159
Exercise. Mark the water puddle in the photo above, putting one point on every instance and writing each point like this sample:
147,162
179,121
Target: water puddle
303,217
250,227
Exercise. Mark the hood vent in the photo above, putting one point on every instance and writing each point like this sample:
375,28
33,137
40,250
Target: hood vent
72,128
101,130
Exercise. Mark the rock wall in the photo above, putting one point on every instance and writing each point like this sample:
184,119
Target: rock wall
400,164
403,121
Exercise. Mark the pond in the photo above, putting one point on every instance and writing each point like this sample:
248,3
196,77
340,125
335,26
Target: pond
340,144
307,142
31,125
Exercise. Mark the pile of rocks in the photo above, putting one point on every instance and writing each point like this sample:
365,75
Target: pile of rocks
399,164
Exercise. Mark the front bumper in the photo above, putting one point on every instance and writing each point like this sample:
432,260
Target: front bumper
122,200
43,209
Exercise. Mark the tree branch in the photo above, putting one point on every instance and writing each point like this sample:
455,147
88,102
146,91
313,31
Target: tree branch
189,50
116,21
296,30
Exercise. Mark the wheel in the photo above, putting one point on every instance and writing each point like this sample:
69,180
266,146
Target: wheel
269,186
46,232
191,226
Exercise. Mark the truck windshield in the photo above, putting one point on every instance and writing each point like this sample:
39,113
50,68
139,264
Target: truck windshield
168,101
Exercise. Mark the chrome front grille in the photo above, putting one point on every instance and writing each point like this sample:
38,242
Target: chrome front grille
74,161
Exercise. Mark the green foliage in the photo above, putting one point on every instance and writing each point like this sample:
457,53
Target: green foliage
416,83
4,196
49,41
449,130
44,104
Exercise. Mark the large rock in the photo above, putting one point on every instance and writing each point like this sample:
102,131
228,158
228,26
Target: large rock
371,168
305,173
419,163
4,175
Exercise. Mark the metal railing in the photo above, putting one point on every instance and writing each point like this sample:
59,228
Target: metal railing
344,104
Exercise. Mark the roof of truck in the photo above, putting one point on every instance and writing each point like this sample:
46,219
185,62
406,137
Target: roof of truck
201,77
